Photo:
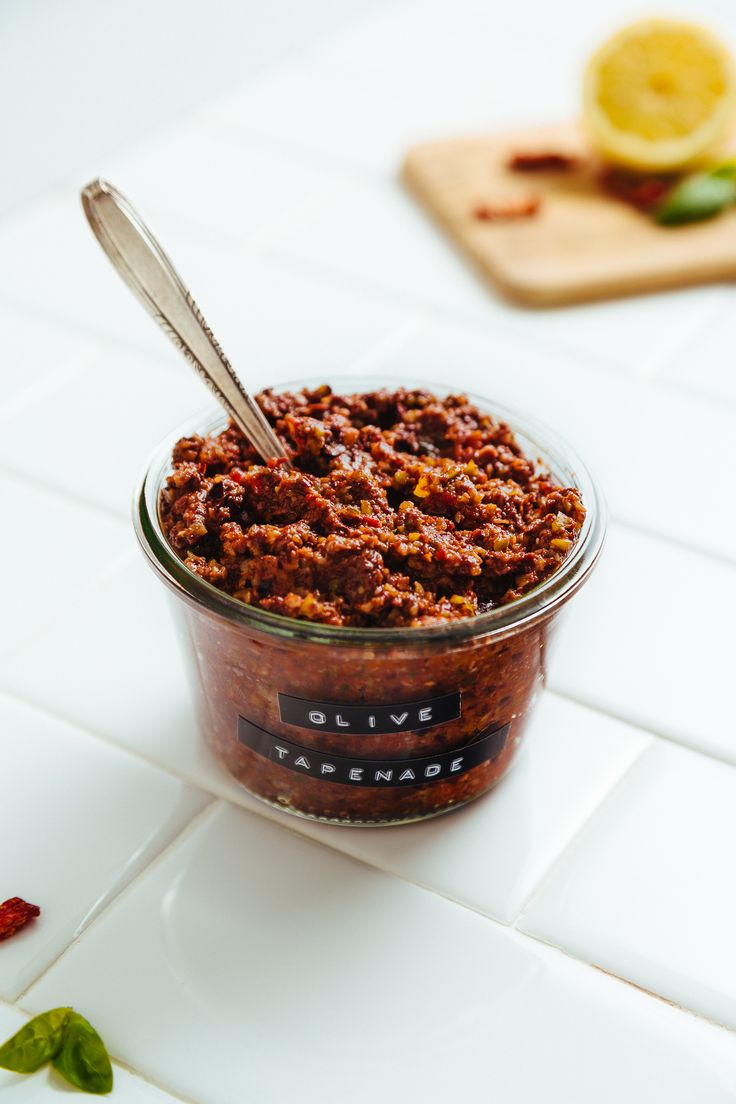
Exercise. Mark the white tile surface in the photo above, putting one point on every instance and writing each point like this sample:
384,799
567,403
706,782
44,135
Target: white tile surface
390,991
222,179
575,25
80,820
491,854
65,548
345,119
703,364
646,890
470,59
71,281
36,356
633,434
269,318
109,428
44,1085
376,235
393,243
277,320
136,691
661,657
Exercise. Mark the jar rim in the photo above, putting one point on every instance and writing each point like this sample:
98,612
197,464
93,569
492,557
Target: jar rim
535,437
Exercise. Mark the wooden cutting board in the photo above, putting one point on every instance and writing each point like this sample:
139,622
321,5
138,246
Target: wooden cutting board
581,244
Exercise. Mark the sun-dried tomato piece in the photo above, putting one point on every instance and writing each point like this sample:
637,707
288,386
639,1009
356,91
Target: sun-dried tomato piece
640,191
15,914
542,161
508,211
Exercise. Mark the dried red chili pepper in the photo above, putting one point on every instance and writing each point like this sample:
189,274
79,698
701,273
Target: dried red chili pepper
506,212
15,914
543,161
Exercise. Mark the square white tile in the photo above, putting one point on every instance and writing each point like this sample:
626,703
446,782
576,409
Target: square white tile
491,854
80,820
53,264
576,25
46,1084
702,364
647,639
397,245
647,444
278,319
135,691
65,547
235,184
348,119
37,354
646,892
270,318
266,967
102,422
470,59
376,235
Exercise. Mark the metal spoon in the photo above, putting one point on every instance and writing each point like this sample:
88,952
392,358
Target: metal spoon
149,273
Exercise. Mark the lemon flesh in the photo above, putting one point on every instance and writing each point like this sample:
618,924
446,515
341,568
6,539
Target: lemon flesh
659,95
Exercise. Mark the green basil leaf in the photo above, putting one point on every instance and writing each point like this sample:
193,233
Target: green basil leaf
727,169
696,198
83,1060
36,1043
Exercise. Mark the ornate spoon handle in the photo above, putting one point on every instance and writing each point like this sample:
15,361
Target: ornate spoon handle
149,273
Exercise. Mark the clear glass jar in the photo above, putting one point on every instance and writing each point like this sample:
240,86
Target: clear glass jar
368,726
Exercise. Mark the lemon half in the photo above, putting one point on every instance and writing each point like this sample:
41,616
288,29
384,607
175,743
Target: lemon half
659,95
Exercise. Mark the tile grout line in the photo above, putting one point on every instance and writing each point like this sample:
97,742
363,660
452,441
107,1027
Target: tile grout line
667,538
684,1009
114,565
216,803
455,315
486,917
133,1071
38,484
572,843
548,877
641,726
181,836
108,742
512,327
692,391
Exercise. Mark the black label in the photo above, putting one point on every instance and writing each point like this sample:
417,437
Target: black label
365,720
372,772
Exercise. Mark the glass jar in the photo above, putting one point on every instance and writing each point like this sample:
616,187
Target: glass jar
368,726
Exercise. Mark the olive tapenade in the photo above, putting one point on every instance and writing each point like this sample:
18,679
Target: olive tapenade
390,510
394,509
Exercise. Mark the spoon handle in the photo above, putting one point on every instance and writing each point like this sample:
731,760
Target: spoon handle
149,273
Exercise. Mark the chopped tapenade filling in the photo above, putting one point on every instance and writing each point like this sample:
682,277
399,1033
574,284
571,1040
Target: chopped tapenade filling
398,509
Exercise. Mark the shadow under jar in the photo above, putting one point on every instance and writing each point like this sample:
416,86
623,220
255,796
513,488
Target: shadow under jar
368,726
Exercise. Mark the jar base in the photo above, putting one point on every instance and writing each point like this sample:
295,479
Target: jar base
384,822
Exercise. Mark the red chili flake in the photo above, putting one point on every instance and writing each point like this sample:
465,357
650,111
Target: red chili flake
642,192
15,914
507,212
544,161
